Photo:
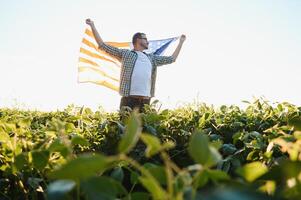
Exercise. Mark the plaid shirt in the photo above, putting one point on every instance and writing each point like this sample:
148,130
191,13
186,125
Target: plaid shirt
128,59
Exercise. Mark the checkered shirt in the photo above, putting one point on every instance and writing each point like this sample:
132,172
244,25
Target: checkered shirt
128,59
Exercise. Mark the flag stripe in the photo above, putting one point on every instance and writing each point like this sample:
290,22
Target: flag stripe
85,60
119,44
109,85
103,83
115,44
89,32
82,69
92,45
95,55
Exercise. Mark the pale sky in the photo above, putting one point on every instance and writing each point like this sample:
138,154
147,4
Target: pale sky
235,50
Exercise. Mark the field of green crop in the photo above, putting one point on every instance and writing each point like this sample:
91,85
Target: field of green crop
192,152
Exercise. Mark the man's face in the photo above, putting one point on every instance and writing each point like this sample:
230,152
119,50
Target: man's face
143,41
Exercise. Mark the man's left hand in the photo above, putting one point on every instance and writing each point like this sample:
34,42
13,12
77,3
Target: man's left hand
182,38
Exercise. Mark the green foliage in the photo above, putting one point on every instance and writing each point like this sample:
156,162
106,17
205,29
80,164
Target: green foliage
82,167
59,189
154,145
131,135
252,171
191,152
202,151
102,188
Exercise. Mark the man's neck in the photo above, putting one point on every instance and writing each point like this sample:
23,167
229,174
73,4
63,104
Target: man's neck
138,49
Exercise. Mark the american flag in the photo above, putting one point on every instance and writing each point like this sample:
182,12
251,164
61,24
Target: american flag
98,67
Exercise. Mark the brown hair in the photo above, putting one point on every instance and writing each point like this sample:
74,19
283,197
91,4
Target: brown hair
136,36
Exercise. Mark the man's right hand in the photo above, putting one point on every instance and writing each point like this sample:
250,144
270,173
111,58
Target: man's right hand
89,22
95,33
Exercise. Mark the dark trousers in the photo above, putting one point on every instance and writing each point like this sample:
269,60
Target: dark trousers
134,102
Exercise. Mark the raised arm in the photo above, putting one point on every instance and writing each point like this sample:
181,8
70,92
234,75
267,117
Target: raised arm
178,49
113,51
95,32
164,60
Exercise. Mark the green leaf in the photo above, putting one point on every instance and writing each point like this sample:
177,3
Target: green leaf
228,149
252,155
217,144
132,133
153,144
69,127
58,146
139,196
201,150
4,137
285,171
237,136
297,135
269,187
102,188
296,123
218,175
134,177
182,180
88,111
199,147
214,137
40,159
168,145
201,179
159,173
252,171
24,123
153,187
250,135
117,174
151,130
50,134
214,157
79,140
225,166
82,167
294,152
247,102
10,127
58,190
203,120
34,182
21,160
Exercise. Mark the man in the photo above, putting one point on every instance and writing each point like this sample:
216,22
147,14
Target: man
138,70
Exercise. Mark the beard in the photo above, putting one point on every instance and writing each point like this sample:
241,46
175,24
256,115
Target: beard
145,46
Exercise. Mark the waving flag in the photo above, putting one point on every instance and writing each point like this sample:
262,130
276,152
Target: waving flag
98,67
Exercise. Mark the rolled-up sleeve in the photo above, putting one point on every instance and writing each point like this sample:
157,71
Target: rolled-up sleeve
113,51
162,60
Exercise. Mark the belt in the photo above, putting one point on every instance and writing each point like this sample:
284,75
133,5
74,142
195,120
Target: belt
139,97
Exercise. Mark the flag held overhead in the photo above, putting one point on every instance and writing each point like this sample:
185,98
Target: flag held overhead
98,67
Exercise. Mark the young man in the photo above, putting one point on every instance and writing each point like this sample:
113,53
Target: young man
139,69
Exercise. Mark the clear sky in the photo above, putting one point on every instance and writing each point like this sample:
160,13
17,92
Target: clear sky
234,51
